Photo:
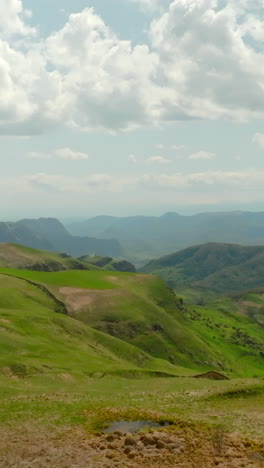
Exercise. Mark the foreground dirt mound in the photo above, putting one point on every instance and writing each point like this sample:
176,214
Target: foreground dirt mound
174,447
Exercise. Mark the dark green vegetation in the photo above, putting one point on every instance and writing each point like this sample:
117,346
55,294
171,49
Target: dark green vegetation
143,237
208,270
108,263
50,234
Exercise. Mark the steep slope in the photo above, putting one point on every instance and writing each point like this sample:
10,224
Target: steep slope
18,256
50,234
146,237
37,341
54,231
249,304
141,311
13,232
217,268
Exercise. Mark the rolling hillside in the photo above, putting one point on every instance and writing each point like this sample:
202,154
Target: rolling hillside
82,349
139,311
217,269
18,256
35,341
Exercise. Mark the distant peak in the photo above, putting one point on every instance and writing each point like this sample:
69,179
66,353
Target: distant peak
171,214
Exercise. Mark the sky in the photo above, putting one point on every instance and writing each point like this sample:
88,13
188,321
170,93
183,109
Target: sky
125,107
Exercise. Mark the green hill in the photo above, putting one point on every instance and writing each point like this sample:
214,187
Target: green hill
211,269
37,342
18,256
140,311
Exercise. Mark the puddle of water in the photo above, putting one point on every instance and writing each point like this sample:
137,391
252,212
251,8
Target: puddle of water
132,426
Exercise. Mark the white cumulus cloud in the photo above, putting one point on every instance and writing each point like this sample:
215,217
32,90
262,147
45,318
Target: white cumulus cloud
258,139
62,153
67,153
202,155
158,160
203,60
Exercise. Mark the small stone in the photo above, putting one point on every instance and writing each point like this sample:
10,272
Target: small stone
140,446
110,438
148,440
247,443
118,434
111,446
130,441
110,456
160,445
175,446
131,455
128,450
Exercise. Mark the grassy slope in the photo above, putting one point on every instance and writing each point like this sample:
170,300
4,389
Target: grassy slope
211,269
18,256
35,341
240,340
140,310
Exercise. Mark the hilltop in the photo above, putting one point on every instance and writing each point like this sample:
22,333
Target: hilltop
19,256
146,237
50,234
211,269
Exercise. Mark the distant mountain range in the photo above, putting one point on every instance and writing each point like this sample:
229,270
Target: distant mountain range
50,234
219,269
148,237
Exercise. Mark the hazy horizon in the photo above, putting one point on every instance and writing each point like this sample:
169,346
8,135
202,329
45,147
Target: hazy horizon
183,211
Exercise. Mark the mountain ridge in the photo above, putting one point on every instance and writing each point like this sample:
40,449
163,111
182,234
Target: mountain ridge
50,234
217,267
143,237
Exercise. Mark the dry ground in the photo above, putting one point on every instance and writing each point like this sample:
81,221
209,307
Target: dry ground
29,446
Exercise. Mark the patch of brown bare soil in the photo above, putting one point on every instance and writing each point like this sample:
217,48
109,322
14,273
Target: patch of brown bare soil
244,305
32,447
78,299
